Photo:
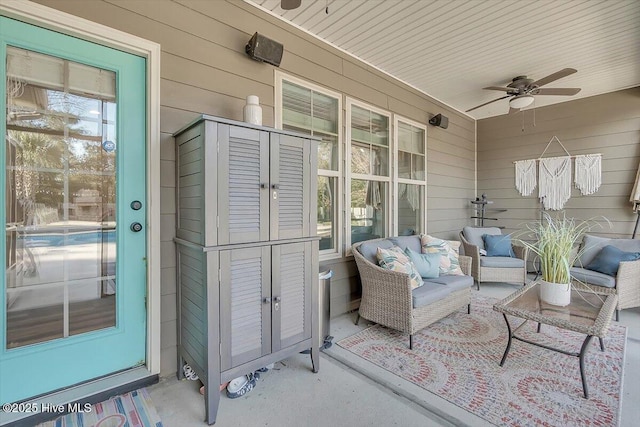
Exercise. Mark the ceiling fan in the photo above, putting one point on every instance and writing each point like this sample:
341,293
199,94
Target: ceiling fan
290,4
521,90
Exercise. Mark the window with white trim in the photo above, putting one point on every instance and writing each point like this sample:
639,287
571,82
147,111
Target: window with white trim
369,175
410,177
309,109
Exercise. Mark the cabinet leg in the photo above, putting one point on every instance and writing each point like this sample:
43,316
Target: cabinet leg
211,403
315,358
180,372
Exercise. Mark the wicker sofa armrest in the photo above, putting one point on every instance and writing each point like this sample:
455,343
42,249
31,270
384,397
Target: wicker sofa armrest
379,280
386,295
465,264
520,251
470,250
628,284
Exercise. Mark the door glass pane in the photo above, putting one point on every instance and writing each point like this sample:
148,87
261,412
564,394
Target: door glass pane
60,198
368,209
410,209
327,196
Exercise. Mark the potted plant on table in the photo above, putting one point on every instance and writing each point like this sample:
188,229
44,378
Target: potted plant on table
555,243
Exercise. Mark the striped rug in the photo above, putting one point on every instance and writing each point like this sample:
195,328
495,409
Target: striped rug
133,409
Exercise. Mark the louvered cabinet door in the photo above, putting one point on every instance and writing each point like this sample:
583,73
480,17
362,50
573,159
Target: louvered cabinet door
243,185
290,190
245,305
292,267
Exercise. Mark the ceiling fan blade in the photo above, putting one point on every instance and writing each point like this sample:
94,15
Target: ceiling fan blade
487,103
290,4
557,91
513,110
505,89
555,76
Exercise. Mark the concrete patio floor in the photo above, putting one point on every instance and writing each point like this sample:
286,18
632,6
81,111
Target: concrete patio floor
349,391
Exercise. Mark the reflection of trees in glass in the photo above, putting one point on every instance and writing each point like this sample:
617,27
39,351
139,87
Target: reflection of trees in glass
358,193
47,163
324,199
36,152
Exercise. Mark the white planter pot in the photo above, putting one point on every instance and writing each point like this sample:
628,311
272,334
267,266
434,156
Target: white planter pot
555,293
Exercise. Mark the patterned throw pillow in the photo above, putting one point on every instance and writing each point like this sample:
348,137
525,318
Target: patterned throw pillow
394,259
449,262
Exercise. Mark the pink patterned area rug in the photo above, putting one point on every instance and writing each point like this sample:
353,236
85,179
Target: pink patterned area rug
458,359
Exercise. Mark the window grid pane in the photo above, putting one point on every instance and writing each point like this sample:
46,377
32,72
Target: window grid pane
327,225
313,113
368,209
410,209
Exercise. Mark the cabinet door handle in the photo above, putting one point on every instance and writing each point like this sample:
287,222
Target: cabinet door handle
275,186
276,299
266,300
264,185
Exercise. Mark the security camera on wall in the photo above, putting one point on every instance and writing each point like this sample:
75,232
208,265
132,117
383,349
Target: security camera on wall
264,49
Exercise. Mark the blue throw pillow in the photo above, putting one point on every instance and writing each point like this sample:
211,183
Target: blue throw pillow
428,265
498,245
607,261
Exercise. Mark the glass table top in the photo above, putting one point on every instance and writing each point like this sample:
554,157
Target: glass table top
587,312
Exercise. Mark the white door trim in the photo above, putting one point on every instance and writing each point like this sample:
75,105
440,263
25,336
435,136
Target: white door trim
65,23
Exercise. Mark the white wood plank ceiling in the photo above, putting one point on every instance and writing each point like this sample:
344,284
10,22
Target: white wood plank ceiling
452,49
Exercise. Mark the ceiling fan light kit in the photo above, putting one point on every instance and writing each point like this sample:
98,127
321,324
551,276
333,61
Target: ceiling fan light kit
521,101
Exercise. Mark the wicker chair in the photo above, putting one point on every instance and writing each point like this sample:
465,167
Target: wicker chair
626,283
387,297
483,271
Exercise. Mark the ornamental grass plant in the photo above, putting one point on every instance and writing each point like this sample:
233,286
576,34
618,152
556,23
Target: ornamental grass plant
555,241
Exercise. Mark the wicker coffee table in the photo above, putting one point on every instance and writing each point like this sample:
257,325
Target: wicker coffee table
588,313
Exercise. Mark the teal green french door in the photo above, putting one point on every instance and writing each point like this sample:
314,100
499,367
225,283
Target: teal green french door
73,177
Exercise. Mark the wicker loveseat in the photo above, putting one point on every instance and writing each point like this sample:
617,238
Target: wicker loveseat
626,283
387,297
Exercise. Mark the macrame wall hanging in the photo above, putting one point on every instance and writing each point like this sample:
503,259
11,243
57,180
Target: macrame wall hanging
588,174
555,182
526,178
554,176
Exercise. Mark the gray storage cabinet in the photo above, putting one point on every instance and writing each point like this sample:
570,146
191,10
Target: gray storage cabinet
247,249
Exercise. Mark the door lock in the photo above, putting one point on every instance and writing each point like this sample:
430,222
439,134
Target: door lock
136,227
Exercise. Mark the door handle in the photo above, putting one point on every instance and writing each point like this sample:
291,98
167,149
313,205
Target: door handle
266,300
136,205
136,227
